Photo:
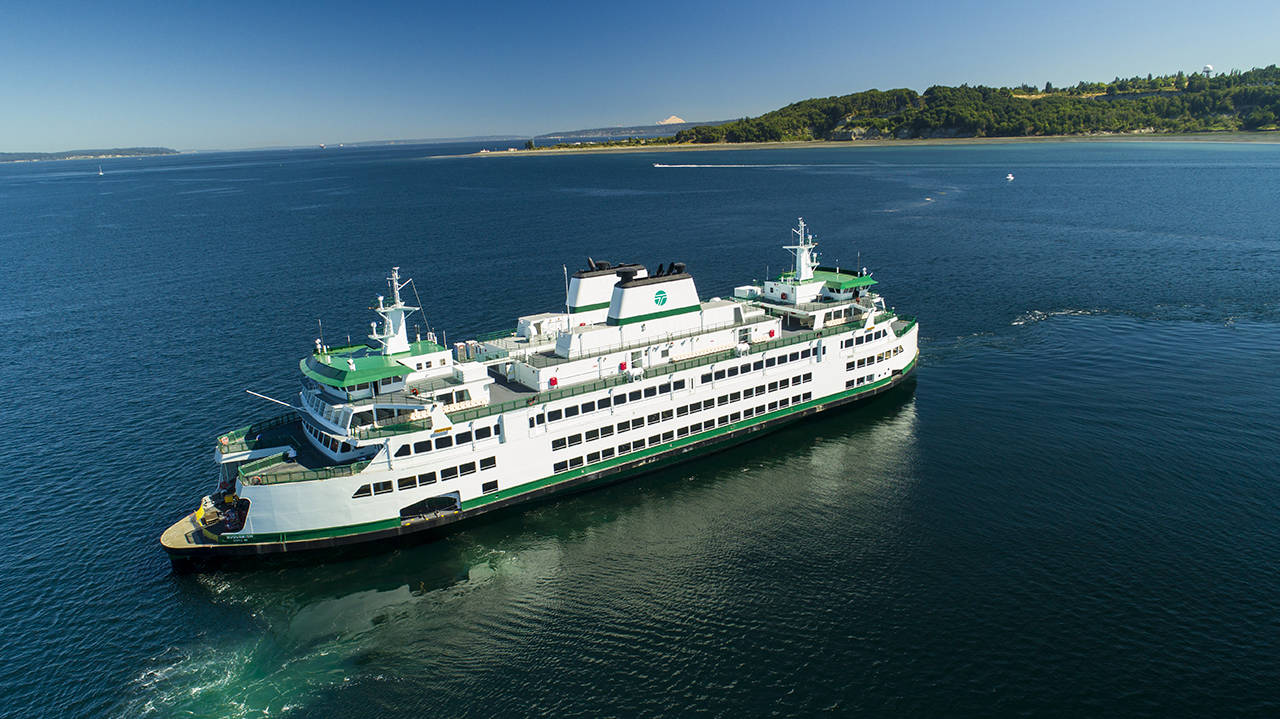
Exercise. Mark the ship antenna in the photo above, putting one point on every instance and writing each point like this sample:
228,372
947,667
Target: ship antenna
319,322
566,291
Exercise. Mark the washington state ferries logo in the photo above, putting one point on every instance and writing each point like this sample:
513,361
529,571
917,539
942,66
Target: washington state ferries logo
660,298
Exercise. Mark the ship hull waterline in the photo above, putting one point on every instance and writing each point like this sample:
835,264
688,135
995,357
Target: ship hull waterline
248,555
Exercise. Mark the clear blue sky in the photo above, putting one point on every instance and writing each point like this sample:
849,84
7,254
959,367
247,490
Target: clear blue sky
232,75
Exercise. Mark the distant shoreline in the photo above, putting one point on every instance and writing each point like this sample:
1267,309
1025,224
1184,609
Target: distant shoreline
113,153
1263,137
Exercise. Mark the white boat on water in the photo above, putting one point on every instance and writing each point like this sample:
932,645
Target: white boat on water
397,437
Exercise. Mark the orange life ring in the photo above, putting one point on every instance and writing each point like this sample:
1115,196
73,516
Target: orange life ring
256,479
223,440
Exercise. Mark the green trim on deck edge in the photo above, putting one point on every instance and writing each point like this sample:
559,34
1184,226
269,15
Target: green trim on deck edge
588,308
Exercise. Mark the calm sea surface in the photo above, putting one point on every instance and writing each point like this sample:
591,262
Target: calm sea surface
1074,511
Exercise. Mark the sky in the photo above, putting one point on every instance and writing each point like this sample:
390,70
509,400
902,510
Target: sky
231,75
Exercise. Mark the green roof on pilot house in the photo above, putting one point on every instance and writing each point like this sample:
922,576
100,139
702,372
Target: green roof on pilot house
347,366
835,278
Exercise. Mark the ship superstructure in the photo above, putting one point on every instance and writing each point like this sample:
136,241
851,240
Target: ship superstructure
397,436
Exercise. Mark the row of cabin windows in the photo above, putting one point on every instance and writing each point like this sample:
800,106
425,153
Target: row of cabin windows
843,314
356,387
657,439
872,359
427,364
458,439
333,444
591,435
758,365
859,381
604,403
422,480
878,334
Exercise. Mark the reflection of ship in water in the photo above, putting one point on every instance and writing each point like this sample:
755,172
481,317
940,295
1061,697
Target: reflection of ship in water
864,450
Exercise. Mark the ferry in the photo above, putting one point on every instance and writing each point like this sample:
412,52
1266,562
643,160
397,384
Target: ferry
399,438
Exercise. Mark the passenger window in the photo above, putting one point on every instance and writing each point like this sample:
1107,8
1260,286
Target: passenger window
364,491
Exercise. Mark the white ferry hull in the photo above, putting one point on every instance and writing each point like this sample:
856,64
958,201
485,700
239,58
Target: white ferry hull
194,554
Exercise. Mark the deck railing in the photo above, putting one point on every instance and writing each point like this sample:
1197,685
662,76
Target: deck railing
254,472
238,439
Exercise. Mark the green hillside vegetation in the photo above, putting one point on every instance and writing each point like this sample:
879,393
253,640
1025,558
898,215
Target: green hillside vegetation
1169,103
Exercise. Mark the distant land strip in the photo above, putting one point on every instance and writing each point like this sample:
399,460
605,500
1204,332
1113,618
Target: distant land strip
1235,101
85,154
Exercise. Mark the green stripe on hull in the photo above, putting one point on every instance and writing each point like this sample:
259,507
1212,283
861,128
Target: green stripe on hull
588,308
302,534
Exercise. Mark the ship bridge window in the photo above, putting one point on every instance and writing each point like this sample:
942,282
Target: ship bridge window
444,442
423,446
462,438
484,432
364,491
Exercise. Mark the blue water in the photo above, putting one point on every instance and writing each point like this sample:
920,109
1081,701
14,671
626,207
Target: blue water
1073,512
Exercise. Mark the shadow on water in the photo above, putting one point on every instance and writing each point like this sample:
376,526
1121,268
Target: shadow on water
299,632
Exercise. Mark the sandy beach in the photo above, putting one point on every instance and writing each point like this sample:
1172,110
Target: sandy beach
1251,137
